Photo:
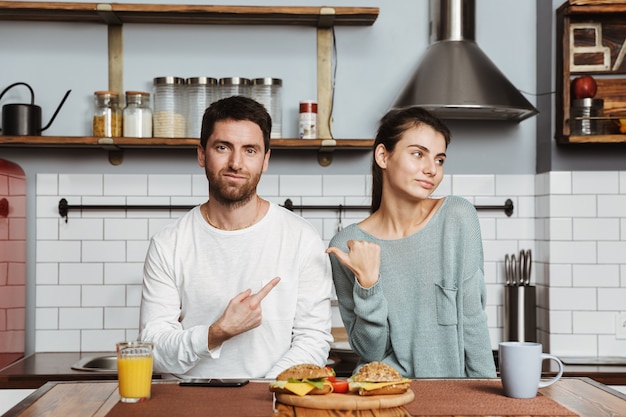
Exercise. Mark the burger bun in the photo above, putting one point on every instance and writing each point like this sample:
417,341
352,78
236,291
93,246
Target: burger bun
304,371
294,377
378,378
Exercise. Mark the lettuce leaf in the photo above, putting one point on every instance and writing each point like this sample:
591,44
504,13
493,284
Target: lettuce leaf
317,382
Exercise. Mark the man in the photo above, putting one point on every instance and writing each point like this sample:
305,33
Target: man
238,286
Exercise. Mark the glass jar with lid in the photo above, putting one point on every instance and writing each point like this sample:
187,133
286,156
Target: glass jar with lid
201,92
267,91
137,115
107,116
235,86
168,118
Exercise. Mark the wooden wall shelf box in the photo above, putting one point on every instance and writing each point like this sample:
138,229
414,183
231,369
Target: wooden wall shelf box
115,15
591,40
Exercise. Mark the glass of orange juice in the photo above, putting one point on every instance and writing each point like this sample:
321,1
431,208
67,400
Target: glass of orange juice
134,370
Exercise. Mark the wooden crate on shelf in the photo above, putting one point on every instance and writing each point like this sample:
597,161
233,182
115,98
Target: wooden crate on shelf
591,40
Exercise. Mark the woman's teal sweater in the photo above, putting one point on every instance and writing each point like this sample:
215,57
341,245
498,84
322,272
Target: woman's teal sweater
425,316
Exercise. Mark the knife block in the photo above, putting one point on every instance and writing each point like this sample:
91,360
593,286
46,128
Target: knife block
520,315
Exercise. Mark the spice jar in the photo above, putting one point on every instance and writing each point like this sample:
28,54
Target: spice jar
267,91
200,92
137,116
307,121
107,116
168,118
235,86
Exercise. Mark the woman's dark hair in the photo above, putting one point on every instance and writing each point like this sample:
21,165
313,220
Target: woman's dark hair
236,108
392,126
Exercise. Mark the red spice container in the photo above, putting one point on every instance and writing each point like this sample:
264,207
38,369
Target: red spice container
307,122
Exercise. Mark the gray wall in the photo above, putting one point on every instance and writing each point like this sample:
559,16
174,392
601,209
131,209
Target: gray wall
372,66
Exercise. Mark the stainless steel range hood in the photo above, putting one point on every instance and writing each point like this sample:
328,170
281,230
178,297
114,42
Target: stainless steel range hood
456,79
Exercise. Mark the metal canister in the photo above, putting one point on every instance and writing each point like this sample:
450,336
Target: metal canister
107,116
520,313
268,92
585,116
235,86
168,118
200,92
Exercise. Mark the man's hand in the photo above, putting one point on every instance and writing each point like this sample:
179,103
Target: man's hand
363,259
242,314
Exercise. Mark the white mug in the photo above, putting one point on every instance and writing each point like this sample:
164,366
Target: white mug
520,368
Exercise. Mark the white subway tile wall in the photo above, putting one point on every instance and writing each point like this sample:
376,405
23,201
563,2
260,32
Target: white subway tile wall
584,255
88,269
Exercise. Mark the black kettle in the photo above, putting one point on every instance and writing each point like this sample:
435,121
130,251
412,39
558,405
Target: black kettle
25,119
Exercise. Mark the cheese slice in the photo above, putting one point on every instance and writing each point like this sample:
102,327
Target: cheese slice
299,388
368,386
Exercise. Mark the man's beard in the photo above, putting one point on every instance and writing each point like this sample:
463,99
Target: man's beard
229,195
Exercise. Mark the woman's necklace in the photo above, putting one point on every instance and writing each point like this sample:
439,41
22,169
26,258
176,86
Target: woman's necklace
256,217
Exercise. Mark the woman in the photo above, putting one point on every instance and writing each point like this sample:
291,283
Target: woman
409,278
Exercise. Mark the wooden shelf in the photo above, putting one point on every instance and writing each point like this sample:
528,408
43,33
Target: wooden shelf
125,143
115,15
590,39
116,146
596,139
118,13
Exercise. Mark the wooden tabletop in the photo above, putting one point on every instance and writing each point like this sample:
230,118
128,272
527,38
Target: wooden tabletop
582,396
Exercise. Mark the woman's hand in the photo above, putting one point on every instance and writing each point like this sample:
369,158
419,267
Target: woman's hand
363,259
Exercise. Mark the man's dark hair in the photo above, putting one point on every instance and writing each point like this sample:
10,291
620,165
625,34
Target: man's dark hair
236,108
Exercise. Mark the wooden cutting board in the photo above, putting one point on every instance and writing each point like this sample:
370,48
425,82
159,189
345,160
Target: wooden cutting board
346,401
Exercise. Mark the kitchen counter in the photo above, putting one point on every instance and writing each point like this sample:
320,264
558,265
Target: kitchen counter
35,370
101,399
7,359
606,374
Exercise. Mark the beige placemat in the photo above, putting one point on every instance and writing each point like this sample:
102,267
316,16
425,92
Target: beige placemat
477,398
253,399
432,398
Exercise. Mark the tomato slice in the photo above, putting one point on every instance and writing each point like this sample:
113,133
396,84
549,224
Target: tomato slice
340,386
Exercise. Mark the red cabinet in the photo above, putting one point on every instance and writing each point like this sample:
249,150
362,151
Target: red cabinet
12,261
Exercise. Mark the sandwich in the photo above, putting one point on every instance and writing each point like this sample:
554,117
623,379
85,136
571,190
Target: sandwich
303,379
378,378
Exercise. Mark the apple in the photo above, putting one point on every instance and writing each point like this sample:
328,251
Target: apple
584,87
